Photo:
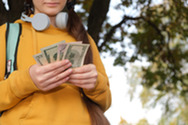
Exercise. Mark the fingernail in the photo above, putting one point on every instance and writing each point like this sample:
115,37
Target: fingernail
66,61
70,70
69,63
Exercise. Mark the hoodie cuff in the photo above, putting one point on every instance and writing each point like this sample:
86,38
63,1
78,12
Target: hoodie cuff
21,83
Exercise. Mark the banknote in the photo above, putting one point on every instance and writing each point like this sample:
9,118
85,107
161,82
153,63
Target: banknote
51,52
61,50
75,53
40,59
62,47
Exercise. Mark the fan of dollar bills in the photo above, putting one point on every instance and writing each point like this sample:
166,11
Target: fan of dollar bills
75,52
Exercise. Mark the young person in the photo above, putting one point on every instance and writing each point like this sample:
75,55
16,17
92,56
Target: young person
55,93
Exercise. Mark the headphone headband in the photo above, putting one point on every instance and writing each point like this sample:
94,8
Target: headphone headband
41,21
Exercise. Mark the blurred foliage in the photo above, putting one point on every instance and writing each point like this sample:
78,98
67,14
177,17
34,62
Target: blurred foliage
143,122
84,9
123,122
140,122
160,36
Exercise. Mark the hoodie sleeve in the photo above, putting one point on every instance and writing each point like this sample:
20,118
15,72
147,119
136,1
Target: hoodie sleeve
101,94
19,84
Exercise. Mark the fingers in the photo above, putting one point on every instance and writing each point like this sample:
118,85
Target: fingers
58,78
83,81
81,76
51,75
54,85
86,83
84,77
55,65
85,72
85,68
86,86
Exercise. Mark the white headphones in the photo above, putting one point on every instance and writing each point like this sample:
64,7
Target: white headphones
41,21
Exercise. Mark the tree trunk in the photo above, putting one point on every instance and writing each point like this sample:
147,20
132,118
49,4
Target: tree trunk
3,12
96,18
14,13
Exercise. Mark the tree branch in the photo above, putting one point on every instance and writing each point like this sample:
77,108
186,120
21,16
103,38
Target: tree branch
155,27
109,35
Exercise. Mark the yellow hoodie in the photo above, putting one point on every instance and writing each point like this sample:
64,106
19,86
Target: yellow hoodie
24,104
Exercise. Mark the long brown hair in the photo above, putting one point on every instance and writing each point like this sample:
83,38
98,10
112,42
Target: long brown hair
77,30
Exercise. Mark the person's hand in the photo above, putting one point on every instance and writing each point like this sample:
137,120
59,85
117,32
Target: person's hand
51,75
84,76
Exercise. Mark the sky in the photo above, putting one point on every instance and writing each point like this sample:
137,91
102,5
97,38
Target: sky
122,106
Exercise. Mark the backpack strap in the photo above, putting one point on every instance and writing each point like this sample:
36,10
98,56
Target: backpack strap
13,33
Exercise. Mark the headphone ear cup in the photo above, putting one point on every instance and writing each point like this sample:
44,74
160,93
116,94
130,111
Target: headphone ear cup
40,22
61,20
